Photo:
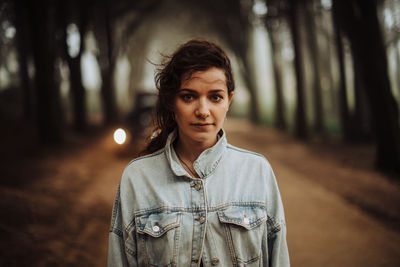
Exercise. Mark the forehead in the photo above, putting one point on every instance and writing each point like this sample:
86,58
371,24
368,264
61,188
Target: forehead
212,76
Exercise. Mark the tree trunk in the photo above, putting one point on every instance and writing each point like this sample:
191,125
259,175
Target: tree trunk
397,44
360,22
48,108
23,52
254,105
78,94
344,107
301,123
280,121
241,50
360,126
314,54
107,65
77,13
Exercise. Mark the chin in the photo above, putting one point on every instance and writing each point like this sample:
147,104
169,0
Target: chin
202,137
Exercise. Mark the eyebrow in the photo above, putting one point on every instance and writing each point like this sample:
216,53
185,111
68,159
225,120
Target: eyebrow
194,91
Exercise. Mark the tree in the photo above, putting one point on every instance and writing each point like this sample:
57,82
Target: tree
75,13
360,118
280,121
314,54
21,24
110,43
301,122
344,108
360,23
47,99
272,22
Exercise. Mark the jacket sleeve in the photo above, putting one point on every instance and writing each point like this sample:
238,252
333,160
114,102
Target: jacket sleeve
121,242
277,249
277,246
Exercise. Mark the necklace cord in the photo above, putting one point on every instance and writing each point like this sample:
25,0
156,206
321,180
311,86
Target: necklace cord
190,170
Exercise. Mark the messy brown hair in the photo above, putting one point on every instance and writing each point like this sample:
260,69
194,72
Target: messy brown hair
194,55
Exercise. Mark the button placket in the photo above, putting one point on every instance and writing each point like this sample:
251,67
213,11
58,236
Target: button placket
203,218
198,202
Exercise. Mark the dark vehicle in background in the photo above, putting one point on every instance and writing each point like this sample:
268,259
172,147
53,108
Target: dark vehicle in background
137,124
140,118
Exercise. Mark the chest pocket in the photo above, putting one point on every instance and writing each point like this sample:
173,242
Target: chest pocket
158,238
244,229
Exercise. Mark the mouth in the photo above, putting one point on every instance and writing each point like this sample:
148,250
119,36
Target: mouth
202,124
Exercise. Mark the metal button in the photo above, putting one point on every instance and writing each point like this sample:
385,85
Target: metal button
197,186
156,228
215,261
246,220
202,219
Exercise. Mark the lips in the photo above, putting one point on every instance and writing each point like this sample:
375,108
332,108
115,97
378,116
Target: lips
202,127
202,124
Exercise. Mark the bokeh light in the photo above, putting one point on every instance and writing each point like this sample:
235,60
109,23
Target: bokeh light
120,136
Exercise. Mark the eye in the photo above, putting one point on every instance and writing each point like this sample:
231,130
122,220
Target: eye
216,98
187,97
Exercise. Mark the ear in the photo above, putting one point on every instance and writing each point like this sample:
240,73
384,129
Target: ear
230,98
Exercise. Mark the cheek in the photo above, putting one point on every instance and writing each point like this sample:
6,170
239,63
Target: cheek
221,113
182,111
226,107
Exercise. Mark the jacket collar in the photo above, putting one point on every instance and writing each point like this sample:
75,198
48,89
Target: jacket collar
205,164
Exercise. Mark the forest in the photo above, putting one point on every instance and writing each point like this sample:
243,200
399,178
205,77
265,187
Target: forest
317,93
333,66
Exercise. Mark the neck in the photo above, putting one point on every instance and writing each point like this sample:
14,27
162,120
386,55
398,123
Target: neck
189,149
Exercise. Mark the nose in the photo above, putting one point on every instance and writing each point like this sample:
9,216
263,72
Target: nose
202,111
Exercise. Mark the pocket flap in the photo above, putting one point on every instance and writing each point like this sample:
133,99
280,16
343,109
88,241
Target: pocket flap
247,217
156,224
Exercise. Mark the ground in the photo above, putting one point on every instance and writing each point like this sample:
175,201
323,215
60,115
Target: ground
56,203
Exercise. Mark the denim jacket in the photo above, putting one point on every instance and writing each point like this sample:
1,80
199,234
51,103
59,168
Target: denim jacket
231,216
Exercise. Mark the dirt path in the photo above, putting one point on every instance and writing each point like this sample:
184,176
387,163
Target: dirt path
62,218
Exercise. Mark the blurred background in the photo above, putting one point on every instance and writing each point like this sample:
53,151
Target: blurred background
317,92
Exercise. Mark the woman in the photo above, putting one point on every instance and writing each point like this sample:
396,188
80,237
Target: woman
194,199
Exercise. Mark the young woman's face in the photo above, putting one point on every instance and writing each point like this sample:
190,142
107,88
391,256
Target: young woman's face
201,105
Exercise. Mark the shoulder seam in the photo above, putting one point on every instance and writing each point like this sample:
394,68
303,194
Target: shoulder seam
244,151
147,156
